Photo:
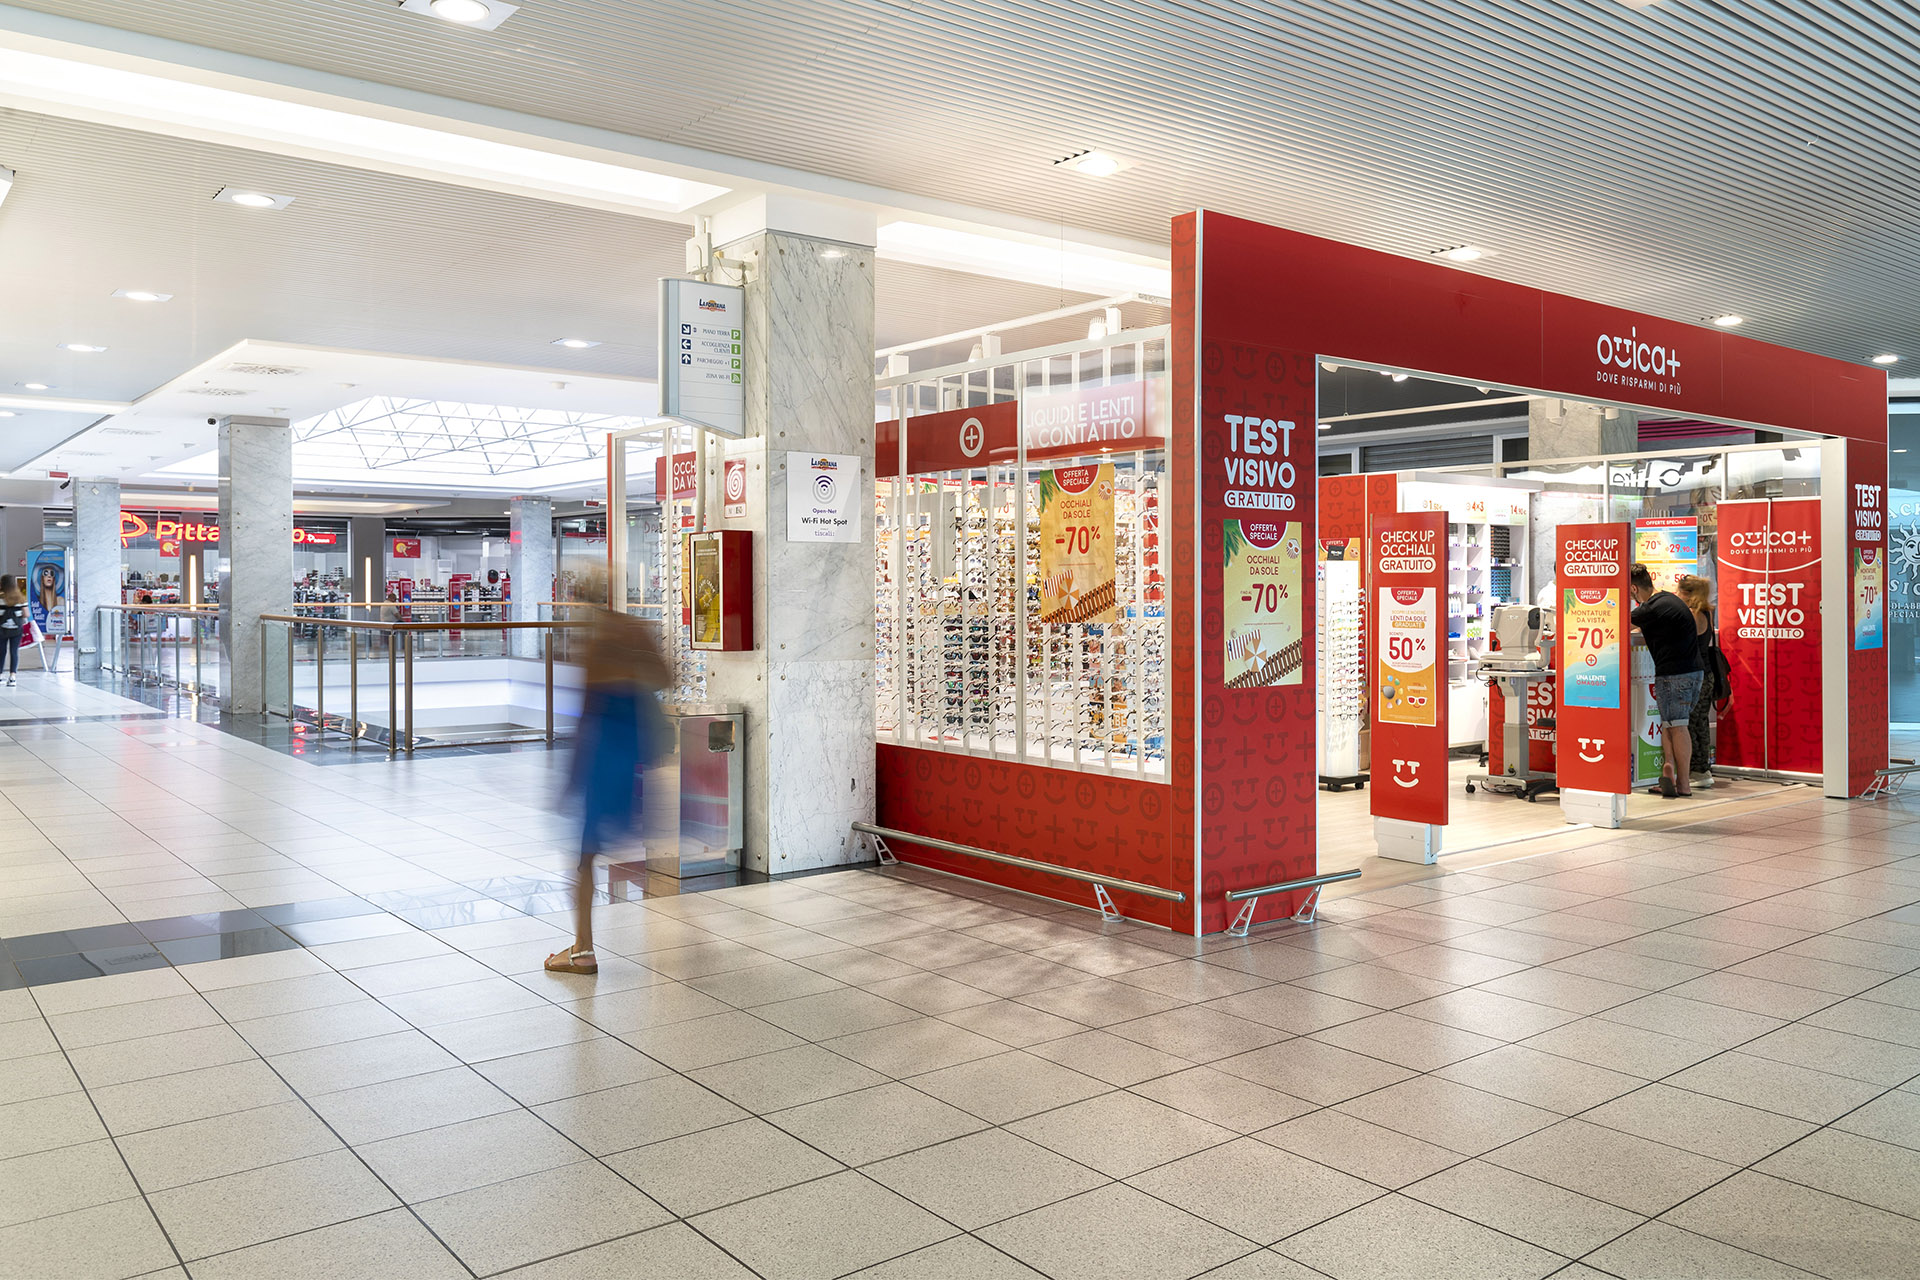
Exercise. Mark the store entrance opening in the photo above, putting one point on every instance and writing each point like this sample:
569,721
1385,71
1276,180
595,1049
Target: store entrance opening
1443,610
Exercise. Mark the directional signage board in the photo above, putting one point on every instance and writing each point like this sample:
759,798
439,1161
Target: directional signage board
701,355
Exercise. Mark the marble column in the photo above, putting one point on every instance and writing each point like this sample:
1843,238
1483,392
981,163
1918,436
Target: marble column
367,541
1575,429
256,549
530,564
20,528
807,686
95,568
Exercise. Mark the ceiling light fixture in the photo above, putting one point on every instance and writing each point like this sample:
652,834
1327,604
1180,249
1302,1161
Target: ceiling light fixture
1095,164
575,344
1399,377
1462,253
142,295
8,413
36,386
1729,320
249,199
1886,357
1329,366
480,15
83,348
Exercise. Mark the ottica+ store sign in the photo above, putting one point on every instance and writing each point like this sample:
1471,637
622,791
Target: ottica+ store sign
168,531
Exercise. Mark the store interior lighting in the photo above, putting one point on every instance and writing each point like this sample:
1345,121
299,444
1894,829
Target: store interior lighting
1082,268
1729,320
1886,358
152,103
82,348
1462,253
480,15
1095,164
575,344
250,199
142,295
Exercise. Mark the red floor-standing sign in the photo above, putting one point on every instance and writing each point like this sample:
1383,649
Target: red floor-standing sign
1409,671
1770,596
1595,721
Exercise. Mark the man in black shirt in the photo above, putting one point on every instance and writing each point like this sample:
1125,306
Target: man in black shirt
1666,622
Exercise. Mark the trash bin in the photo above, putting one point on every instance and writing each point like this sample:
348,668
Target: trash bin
704,783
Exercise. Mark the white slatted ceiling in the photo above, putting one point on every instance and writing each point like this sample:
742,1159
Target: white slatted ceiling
1689,158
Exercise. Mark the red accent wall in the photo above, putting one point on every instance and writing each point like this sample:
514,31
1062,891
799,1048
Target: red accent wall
1111,826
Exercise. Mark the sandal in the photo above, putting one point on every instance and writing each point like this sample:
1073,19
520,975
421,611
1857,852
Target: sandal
572,961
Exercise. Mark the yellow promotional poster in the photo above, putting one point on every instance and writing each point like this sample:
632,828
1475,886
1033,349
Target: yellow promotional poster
1260,604
1409,622
1076,544
1669,546
1590,632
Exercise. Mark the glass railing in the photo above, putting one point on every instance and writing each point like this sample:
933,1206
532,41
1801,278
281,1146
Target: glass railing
410,685
167,645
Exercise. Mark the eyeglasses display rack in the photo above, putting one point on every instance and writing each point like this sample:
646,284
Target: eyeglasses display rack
1344,682
963,660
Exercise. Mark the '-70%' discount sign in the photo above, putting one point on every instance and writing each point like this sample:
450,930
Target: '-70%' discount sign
1594,719
1410,686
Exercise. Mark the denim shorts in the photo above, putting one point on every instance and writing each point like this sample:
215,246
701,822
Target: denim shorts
1676,696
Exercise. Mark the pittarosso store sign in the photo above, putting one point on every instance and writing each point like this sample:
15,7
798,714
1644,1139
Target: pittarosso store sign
168,532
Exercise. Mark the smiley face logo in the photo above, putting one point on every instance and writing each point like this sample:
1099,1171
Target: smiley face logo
1593,750
1406,773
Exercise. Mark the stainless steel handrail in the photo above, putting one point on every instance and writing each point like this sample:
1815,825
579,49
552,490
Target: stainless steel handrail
1029,864
1244,921
400,674
127,654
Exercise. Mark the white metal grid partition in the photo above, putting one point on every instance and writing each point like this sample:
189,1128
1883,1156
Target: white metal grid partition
963,663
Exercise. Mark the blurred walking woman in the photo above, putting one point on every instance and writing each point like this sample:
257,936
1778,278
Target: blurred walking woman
1698,593
13,626
622,732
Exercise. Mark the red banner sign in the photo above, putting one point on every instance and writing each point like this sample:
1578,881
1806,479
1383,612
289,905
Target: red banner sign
405,549
1409,667
1770,631
955,440
684,470
1595,729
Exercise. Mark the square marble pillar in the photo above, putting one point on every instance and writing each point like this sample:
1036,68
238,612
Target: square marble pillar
807,686
530,564
256,549
367,558
1576,429
96,563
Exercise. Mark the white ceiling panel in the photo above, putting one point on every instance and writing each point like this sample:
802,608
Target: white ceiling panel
1687,158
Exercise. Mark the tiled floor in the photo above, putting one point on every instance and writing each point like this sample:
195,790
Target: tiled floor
1688,1053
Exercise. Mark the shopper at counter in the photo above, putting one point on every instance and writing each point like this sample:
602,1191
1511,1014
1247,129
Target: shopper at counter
1698,595
1668,625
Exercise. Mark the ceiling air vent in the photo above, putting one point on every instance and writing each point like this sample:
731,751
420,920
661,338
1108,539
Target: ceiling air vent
218,391
264,370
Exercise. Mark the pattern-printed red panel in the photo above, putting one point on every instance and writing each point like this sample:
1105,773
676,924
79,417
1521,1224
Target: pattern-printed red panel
1109,826
1867,660
1182,573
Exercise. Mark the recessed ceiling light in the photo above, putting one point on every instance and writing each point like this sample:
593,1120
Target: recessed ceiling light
1462,253
1399,377
36,386
1886,358
575,344
250,199
1729,320
84,348
1095,164
1896,451
142,295
1326,426
1329,366
8,413
480,15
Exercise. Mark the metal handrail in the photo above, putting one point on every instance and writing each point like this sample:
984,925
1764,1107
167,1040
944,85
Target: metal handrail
130,642
1244,921
1100,882
400,681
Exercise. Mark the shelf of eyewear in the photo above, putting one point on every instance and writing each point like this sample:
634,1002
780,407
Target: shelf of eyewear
689,664
1344,687
1482,568
963,661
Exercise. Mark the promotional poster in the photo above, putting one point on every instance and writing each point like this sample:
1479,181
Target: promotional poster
1261,594
1076,545
1594,732
1669,546
1409,764
1869,597
47,590
1770,608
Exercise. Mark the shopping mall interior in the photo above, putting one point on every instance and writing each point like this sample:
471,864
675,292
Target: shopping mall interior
1367,618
